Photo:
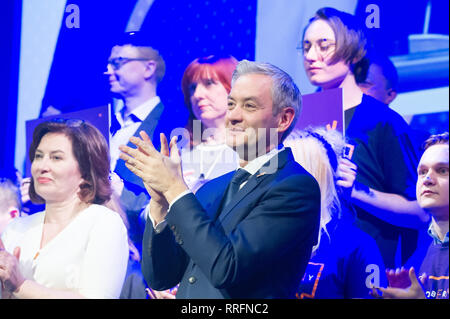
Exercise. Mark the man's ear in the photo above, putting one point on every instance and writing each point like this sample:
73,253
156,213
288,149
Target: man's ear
287,115
150,69
391,95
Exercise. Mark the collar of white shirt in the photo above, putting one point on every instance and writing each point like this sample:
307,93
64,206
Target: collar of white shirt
255,165
141,112
128,127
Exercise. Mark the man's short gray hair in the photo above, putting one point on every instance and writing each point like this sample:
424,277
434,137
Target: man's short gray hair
285,92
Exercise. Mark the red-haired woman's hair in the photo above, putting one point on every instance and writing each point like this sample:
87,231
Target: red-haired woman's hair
212,67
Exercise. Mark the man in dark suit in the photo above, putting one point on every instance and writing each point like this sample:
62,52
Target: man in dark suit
248,237
134,71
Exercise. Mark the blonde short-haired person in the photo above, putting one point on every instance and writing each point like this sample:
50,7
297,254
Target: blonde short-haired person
76,247
346,262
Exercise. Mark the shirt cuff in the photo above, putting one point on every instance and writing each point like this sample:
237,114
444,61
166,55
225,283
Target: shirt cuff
156,227
178,197
161,225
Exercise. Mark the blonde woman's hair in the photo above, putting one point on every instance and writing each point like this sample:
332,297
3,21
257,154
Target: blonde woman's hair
317,150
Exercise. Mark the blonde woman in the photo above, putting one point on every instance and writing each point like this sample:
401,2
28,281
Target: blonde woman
346,262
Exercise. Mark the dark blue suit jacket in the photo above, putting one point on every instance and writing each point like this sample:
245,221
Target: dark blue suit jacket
258,247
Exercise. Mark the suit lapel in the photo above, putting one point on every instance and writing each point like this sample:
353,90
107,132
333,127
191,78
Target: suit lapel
213,207
265,172
148,125
243,192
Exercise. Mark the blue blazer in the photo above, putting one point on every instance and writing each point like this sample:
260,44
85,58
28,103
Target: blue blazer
257,246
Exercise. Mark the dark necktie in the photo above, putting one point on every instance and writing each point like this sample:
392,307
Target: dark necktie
239,177
115,125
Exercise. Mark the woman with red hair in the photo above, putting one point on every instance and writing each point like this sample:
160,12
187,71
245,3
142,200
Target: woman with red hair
205,84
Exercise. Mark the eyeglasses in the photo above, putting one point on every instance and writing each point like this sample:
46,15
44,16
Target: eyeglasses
323,47
118,62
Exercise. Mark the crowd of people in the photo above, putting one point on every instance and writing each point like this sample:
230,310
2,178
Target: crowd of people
245,205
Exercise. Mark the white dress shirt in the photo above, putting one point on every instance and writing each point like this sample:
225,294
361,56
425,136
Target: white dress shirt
89,256
129,125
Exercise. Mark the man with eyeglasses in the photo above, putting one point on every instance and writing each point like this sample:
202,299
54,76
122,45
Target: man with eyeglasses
134,70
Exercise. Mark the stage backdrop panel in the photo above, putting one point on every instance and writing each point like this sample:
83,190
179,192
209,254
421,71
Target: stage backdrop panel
322,109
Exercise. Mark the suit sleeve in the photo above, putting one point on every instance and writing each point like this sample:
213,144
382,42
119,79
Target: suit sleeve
281,221
163,260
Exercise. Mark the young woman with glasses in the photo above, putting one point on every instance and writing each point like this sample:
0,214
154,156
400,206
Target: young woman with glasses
386,153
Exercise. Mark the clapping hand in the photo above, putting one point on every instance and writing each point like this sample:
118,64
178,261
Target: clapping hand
10,276
415,289
165,294
398,278
160,171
